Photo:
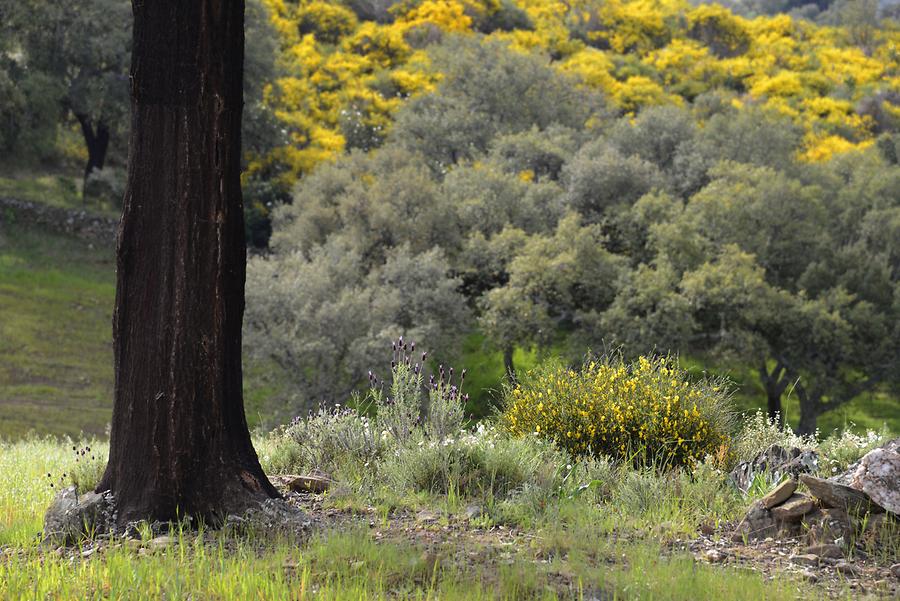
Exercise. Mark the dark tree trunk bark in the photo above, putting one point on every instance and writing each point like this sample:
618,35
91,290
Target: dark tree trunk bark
508,366
179,443
97,144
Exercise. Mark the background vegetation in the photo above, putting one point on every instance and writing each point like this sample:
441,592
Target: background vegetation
514,180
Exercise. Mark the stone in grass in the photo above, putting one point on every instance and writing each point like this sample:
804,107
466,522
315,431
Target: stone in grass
829,551
315,483
72,516
794,508
779,494
836,495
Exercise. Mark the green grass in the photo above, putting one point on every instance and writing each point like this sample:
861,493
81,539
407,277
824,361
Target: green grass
868,411
56,365
574,550
56,296
61,190
351,565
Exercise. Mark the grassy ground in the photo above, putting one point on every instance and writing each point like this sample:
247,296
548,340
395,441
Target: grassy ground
58,190
56,297
366,551
56,300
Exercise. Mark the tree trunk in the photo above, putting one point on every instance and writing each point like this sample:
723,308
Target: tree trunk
810,409
179,443
97,143
774,384
508,366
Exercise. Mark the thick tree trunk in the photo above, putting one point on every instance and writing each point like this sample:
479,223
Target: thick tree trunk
179,443
97,144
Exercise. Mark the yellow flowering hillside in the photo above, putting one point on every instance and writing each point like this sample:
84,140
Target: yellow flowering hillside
344,71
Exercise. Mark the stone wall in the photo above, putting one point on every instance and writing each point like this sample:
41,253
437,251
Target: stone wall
83,224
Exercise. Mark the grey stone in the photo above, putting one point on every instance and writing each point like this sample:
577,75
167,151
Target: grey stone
878,475
794,508
825,550
473,511
834,494
72,516
895,571
779,494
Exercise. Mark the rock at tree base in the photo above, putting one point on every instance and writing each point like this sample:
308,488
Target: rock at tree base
878,475
779,494
836,495
71,516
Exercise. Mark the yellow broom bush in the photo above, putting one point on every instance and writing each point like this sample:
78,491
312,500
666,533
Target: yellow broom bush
648,412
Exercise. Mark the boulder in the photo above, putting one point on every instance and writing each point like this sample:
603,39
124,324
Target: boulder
878,475
794,508
72,516
839,496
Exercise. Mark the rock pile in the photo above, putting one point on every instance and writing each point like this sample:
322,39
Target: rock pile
827,518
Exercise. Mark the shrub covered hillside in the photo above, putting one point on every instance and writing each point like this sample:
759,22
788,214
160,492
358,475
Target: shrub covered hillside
645,176
346,67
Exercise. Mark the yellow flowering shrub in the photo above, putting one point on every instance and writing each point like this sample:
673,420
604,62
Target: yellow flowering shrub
648,412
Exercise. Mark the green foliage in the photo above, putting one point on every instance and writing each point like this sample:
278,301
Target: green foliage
483,464
600,179
759,432
487,89
325,318
325,440
648,413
